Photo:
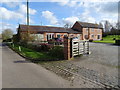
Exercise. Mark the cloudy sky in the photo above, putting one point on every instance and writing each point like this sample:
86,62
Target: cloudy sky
56,12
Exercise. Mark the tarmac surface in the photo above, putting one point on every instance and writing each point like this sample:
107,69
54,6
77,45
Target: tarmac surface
18,73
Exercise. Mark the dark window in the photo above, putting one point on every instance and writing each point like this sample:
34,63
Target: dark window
86,36
58,36
98,37
52,36
92,36
65,35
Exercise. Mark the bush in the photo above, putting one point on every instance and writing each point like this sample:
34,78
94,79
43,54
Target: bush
22,43
57,52
114,38
44,47
8,40
38,48
90,40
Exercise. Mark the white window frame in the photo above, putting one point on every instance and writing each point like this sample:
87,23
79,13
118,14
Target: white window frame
92,29
50,36
87,29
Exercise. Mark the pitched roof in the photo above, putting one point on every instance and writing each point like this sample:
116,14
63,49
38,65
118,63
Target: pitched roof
46,29
89,25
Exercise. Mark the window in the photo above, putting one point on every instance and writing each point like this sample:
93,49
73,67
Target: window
92,29
99,30
87,29
78,36
65,35
92,36
98,36
50,36
86,36
58,36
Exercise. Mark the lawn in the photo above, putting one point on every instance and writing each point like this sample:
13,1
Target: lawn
109,39
31,53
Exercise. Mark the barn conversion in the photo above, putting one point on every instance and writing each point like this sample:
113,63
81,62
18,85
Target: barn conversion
80,30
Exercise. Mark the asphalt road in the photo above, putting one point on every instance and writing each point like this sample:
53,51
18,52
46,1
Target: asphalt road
18,73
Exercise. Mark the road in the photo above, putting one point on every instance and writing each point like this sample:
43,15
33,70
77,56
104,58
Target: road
18,73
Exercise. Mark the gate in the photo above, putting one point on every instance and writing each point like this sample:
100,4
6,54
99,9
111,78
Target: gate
79,47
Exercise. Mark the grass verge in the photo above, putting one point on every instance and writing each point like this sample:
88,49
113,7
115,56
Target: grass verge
31,53
109,39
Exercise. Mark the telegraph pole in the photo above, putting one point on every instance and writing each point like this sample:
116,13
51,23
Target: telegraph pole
118,19
27,12
27,20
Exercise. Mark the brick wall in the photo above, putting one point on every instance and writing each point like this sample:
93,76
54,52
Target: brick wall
62,35
92,33
67,48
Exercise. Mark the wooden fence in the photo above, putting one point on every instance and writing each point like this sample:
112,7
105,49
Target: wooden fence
79,47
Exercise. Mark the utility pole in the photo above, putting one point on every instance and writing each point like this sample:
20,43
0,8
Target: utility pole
118,19
27,12
28,20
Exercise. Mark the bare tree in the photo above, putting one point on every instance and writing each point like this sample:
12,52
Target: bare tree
108,26
100,24
6,34
67,25
28,37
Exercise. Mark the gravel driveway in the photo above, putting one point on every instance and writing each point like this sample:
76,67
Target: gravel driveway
103,58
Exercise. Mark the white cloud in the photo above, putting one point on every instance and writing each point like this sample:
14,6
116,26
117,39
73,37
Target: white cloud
7,26
59,0
98,11
12,4
50,17
7,14
23,10
70,20
18,15
86,17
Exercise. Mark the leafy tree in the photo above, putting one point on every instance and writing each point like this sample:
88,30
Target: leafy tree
7,34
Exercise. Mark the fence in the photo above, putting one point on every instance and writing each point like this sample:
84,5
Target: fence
79,47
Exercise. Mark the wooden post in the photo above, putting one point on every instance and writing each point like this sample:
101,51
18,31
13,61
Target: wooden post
88,47
19,48
13,45
67,48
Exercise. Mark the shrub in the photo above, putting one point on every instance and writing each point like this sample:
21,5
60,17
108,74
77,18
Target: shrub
22,43
114,38
90,40
57,52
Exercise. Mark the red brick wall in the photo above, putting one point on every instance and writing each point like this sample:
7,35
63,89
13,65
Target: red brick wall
95,33
62,35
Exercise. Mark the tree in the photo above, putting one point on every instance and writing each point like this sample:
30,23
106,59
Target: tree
100,24
7,34
28,36
67,25
108,26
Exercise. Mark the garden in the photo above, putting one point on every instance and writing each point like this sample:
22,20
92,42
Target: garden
39,52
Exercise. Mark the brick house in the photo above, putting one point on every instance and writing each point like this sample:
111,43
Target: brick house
81,30
45,33
89,30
